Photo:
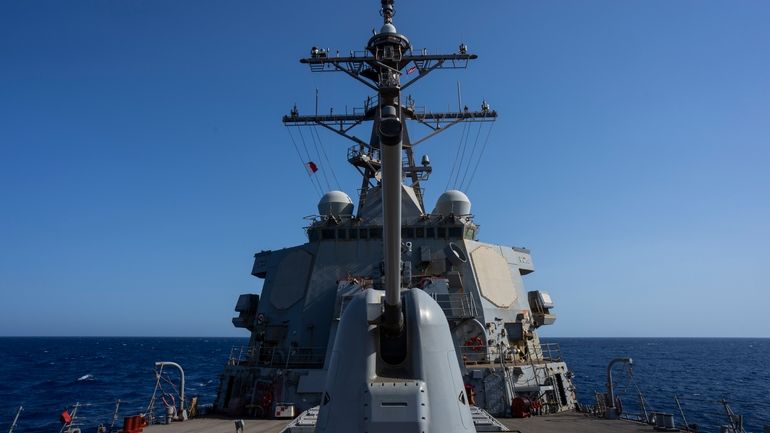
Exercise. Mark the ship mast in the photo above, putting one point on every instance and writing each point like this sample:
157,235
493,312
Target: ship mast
379,356
388,57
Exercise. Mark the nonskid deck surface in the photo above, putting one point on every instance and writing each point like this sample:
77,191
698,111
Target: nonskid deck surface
218,425
572,422
558,423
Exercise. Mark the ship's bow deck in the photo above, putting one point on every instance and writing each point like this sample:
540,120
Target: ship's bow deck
218,425
558,423
572,422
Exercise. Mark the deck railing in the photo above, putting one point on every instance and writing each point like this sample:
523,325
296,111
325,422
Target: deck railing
484,354
278,357
547,352
456,305
481,354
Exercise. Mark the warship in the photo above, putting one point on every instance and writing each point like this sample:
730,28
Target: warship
294,323
392,316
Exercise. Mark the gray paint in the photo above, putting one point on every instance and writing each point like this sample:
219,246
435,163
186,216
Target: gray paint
425,393
309,287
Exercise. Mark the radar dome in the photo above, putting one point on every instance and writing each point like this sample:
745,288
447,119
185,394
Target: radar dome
335,203
453,202
388,28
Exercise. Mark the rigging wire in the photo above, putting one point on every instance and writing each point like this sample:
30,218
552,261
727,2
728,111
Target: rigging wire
302,161
457,156
470,158
151,405
462,156
309,160
159,386
173,386
481,155
326,157
318,153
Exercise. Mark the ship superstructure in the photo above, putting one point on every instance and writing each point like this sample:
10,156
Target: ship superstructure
478,285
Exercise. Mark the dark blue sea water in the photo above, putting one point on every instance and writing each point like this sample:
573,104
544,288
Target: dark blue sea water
700,371
46,374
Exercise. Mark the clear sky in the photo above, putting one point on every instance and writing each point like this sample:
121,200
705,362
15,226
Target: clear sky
143,161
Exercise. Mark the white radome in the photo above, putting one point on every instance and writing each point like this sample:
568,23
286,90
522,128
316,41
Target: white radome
453,202
335,203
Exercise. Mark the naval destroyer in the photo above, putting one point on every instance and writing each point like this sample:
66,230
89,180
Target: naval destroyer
295,321
393,317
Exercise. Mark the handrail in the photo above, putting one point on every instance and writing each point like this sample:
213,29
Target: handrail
456,305
161,364
279,357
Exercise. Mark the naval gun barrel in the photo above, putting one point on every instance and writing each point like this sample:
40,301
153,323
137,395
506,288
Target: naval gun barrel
390,131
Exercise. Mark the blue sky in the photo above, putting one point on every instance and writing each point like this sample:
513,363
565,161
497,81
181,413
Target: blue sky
143,161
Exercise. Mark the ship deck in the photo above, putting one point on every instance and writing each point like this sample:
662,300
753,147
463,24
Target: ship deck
559,423
218,425
573,422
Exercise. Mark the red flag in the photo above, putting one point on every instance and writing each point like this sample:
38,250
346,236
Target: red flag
65,417
312,167
412,69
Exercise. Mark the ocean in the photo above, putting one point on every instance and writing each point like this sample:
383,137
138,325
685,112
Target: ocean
699,371
45,375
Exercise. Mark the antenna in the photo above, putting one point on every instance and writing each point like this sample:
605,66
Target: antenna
387,11
388,53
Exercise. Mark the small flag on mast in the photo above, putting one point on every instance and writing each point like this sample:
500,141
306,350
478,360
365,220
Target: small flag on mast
311,167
